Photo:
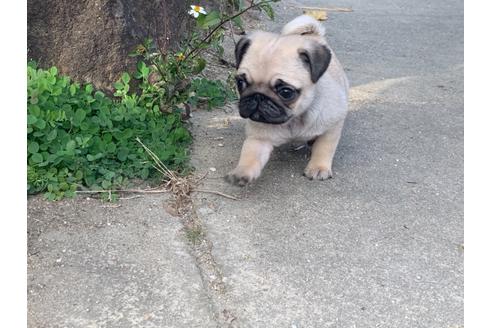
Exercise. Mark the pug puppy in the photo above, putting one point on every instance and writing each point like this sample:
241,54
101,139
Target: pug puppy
292,88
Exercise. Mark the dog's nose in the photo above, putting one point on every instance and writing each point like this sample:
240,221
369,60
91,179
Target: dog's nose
249,105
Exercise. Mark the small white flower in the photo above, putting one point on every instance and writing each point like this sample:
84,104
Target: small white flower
196,11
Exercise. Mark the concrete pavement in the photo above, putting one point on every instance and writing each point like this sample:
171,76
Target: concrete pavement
92,264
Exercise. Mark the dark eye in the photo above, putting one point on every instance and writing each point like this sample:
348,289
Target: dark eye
286,93
241,84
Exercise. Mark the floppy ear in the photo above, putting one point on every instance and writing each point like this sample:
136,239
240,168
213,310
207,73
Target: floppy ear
241,48
316,60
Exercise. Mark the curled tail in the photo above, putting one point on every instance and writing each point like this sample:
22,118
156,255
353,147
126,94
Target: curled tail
303,25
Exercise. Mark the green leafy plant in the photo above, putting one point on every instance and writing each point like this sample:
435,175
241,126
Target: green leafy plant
80,137
212,93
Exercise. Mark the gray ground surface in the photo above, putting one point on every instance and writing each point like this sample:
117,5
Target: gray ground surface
380,245
94,264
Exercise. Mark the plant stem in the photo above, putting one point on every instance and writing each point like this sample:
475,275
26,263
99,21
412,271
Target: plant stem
209,35
156,64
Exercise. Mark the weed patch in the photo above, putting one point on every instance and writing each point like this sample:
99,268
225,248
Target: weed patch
78,137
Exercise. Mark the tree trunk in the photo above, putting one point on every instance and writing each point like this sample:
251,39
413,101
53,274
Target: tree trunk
90,40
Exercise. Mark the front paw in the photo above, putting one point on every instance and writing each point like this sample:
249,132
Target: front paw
242,176
317,172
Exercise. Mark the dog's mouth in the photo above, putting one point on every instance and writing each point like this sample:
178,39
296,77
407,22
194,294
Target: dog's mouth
260,108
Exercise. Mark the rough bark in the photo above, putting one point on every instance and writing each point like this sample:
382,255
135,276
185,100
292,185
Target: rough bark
90,40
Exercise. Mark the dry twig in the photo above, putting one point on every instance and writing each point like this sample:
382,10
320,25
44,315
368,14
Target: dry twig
216,193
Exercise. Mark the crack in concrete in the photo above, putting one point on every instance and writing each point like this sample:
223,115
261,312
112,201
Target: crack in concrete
200,248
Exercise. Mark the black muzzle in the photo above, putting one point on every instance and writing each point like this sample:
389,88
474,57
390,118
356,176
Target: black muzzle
260,108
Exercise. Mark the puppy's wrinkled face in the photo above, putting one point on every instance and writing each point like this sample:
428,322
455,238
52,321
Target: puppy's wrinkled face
266,103
276,75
